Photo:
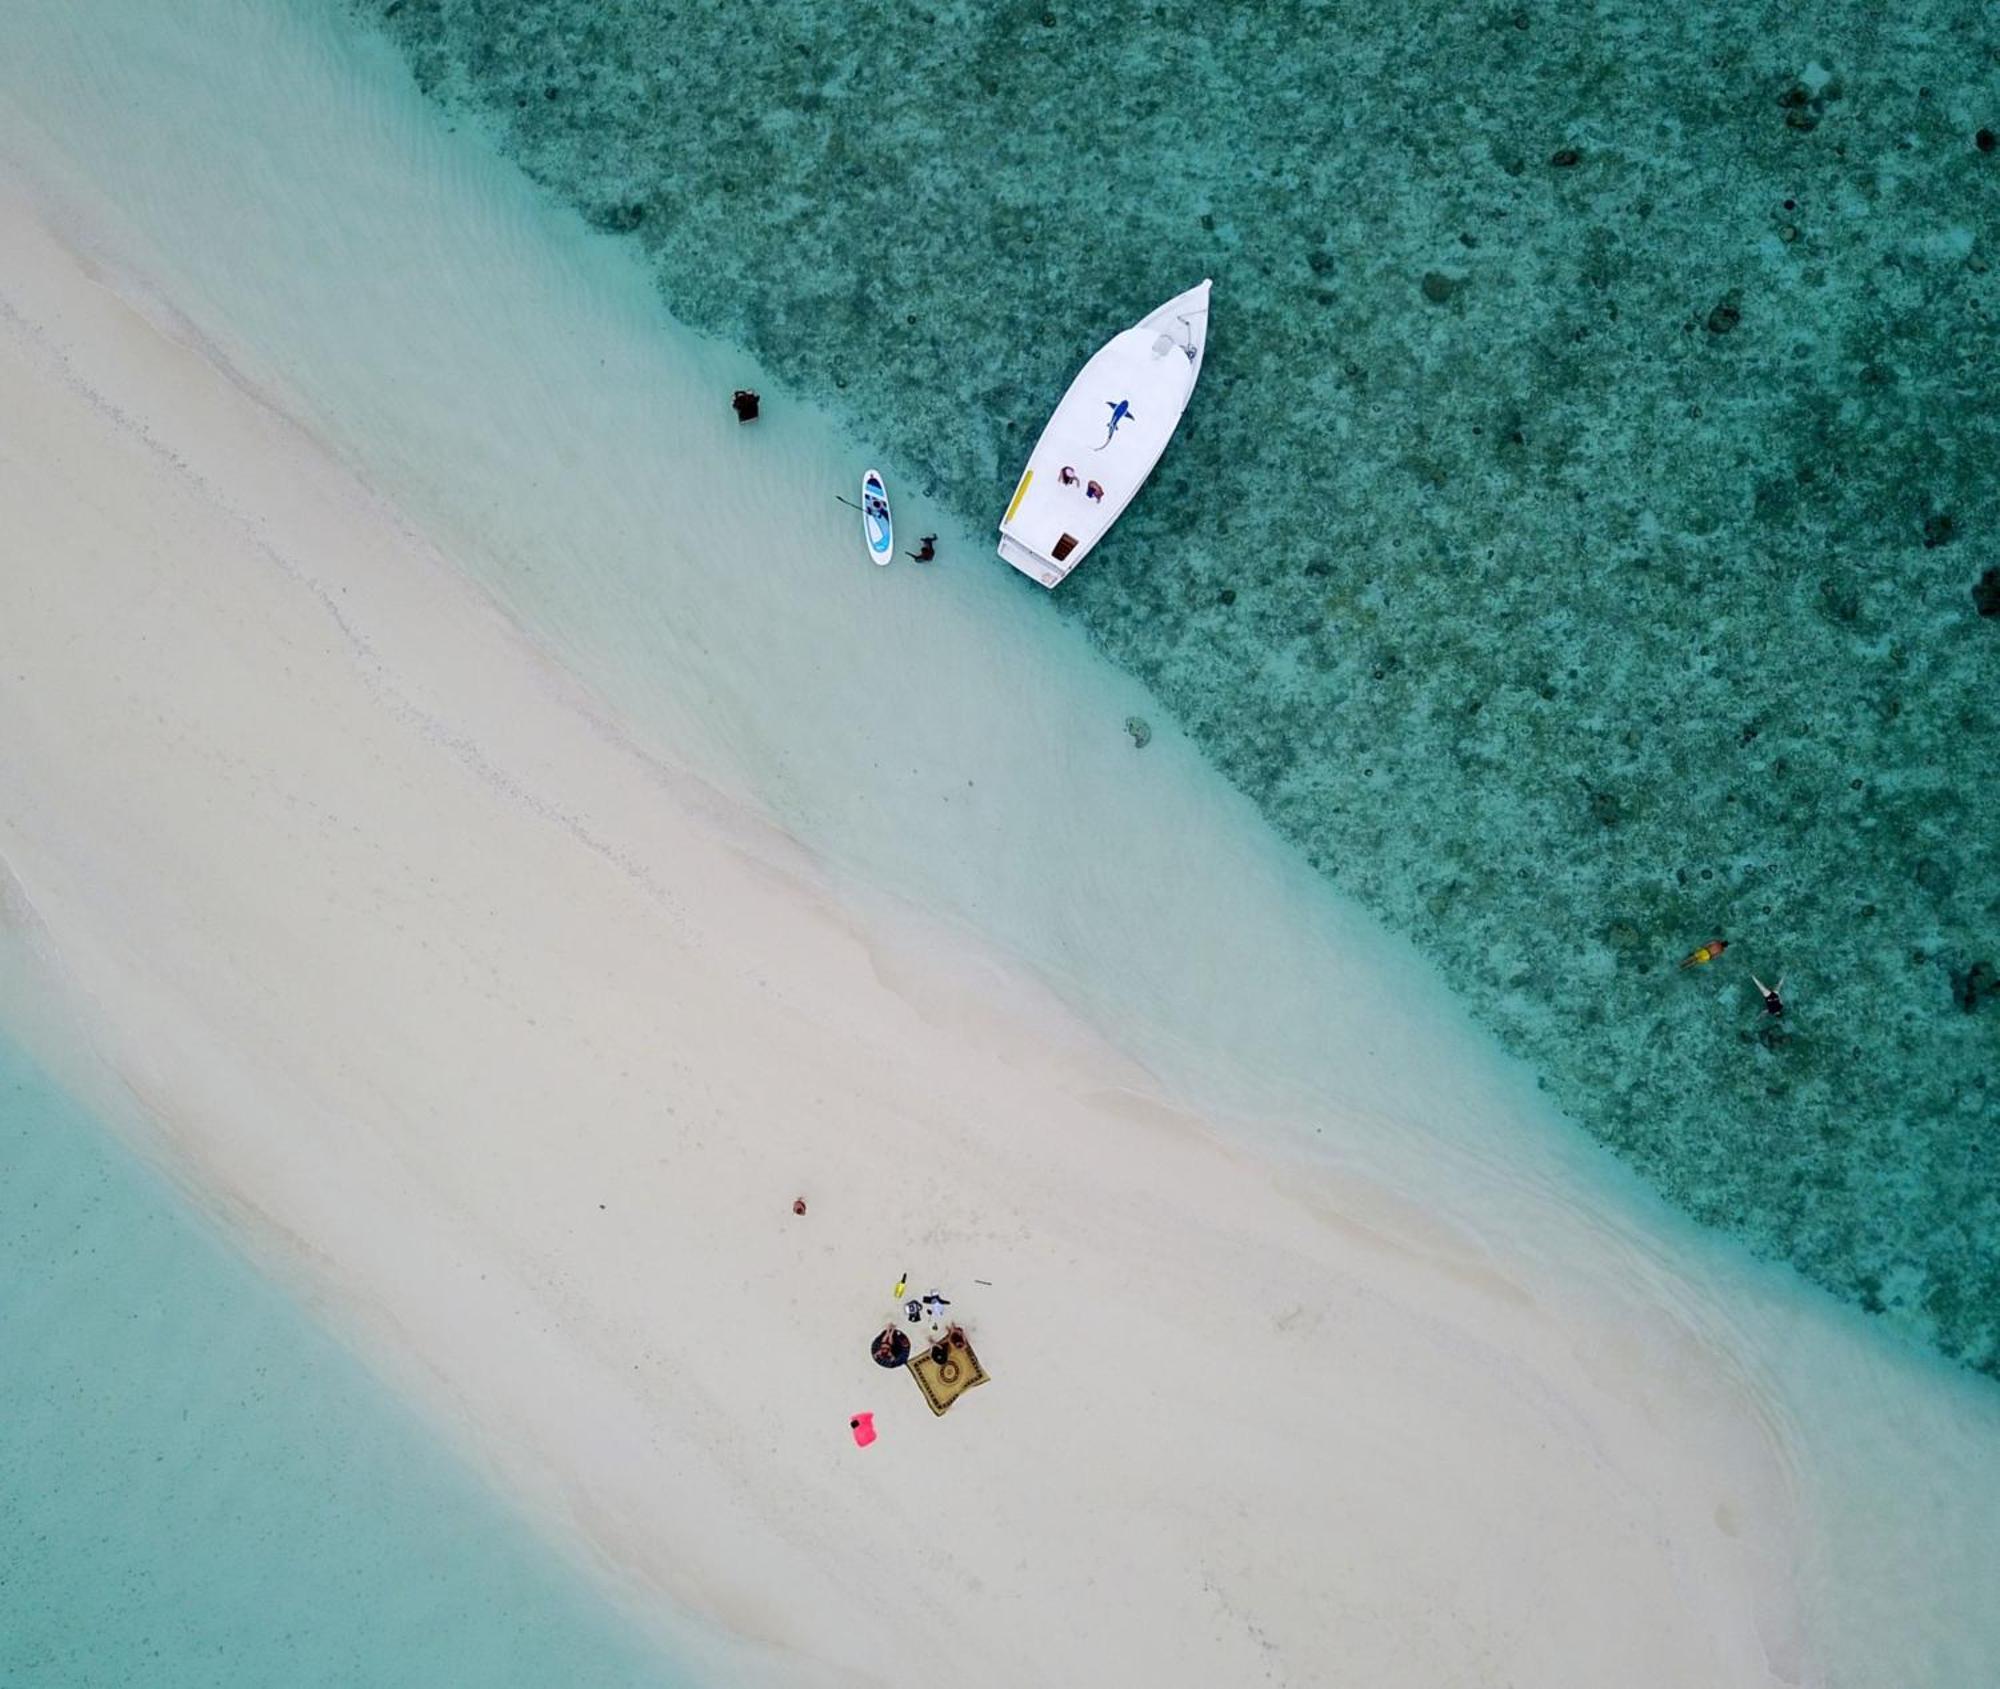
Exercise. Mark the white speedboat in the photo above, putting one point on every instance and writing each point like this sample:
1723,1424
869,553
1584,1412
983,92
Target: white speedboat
1105,437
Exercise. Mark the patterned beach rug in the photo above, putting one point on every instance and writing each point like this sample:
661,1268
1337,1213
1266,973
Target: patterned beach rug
943,1382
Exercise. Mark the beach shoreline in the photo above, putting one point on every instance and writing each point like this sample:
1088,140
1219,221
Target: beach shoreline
509,1048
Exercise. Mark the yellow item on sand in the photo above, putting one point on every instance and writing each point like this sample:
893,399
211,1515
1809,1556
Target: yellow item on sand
902,1284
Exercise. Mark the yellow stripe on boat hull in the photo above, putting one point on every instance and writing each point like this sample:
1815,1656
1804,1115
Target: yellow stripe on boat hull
1020,493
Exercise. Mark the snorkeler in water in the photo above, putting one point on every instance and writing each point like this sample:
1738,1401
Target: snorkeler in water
1773,1003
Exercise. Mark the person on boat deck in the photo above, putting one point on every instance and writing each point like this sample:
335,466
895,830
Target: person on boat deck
926,549
1094,492
1068,476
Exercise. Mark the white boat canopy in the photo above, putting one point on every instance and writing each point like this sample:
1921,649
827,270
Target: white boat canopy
1105,437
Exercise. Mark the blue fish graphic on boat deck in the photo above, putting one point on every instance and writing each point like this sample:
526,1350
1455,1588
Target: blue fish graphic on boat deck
1120,410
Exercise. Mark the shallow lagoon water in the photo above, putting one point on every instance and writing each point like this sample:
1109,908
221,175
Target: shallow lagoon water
199,1486
1576,546
510,380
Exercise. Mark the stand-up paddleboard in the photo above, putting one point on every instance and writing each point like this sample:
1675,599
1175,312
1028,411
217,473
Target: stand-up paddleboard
878,528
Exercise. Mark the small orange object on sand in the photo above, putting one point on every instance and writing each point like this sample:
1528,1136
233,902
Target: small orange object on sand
1706,953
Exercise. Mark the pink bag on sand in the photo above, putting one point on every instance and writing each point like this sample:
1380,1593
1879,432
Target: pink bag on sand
863,1427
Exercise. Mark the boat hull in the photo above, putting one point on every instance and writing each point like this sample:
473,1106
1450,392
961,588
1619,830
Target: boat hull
1104,438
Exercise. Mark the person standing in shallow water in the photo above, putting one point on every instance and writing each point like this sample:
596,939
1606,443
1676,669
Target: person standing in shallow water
926,551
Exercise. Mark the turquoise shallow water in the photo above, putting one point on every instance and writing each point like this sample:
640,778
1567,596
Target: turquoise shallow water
199,1487
1582,545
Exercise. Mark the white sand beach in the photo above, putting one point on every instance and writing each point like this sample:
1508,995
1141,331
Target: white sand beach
510,1048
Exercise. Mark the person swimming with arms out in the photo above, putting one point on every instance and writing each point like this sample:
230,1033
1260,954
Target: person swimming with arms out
1773,1003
